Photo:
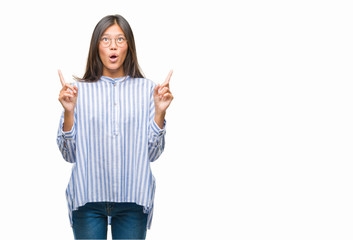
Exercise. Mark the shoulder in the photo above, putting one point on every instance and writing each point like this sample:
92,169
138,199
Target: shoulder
86,83
144,81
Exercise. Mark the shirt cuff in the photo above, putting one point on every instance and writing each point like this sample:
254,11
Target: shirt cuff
68,134
156,129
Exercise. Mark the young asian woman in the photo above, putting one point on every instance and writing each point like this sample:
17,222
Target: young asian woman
111,129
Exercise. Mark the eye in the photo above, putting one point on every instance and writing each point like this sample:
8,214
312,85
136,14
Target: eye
105,39
121,39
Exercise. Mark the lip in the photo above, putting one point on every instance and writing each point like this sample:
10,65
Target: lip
111,59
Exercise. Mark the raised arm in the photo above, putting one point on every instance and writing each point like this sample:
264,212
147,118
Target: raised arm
68,99
162,97
66,137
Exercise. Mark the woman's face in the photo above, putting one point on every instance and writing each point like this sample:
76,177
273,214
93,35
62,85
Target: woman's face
112,51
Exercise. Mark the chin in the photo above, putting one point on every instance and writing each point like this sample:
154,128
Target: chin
112,68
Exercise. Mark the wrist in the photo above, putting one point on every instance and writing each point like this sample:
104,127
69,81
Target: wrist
159,119
68,120
160,114
69,112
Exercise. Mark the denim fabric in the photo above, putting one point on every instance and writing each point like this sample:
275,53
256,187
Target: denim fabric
127,221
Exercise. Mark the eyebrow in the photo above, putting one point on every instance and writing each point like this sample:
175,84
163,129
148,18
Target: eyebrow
120,34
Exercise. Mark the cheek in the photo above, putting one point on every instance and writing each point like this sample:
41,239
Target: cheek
122,53
101,53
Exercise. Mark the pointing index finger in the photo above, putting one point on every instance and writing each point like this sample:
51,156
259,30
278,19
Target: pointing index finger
61,78
167,80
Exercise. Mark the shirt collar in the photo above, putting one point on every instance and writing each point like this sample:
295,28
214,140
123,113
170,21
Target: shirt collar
114,80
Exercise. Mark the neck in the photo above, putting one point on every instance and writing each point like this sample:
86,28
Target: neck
113,73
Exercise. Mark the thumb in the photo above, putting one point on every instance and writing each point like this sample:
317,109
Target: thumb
155,92
76,89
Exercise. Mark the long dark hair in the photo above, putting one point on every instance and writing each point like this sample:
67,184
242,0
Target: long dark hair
94,68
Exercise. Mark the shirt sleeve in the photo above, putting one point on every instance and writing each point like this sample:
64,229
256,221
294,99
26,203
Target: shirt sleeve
67,141
156,135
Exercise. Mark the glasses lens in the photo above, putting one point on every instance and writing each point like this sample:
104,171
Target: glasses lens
106,42
120,41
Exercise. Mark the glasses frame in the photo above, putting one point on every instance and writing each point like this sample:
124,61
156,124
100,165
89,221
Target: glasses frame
118,44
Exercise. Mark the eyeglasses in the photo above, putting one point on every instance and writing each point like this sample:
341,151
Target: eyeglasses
120,41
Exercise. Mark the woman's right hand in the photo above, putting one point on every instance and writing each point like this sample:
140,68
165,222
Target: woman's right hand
68,95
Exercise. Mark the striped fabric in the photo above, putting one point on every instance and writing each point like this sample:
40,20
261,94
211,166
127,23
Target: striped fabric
112,142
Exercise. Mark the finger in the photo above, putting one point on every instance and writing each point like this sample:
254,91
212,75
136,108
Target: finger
168,96
69,95
167,80
65,98
156,90
69,86
76,90
163,91
61,78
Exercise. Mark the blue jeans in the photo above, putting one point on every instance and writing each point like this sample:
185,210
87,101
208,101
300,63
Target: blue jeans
127,221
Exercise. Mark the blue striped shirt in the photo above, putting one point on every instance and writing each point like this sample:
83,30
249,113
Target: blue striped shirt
111,144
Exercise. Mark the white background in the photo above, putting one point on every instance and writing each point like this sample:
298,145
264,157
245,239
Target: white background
259,135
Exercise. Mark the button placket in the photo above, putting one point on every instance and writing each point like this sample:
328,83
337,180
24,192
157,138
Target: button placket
115,111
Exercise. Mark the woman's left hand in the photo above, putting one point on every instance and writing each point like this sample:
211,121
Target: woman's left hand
162,96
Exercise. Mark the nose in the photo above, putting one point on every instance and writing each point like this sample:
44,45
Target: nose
113,45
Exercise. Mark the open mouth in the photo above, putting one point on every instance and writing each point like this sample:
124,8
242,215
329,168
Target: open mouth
113,56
